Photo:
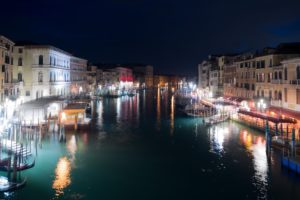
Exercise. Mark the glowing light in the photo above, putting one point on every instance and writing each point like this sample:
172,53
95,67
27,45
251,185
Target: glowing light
63,116
62,176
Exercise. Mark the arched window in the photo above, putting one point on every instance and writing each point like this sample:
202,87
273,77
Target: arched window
20,78
280,75
40,77
298,72
275,95
41,60
285,74
279,96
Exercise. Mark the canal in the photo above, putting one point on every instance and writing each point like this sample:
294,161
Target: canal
142,148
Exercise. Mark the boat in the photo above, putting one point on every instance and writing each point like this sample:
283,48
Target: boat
131,93
216,119
199,111
7,186
20,167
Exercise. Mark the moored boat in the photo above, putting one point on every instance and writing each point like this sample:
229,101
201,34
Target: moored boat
7,186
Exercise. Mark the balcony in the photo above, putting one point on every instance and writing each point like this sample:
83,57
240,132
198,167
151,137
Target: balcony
277,81
295,82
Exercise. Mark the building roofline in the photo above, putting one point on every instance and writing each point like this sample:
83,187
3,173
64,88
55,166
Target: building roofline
2,36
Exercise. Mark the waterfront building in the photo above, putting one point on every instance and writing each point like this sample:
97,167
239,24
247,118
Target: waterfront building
211,74
204,70
142,75
91,78
286,85
7,86
114,77
43,70
78,74
169,81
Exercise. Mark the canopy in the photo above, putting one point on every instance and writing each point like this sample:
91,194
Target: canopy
267,117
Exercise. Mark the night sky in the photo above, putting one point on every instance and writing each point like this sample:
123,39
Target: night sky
174,36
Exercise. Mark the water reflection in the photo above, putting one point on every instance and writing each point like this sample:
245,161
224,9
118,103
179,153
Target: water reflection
100,113
72,147
158,107
118,110
257,146
172,115
62,176
217,135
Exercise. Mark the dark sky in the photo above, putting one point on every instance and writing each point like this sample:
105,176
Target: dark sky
174,36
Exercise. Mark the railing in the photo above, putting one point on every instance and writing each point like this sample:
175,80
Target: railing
295,82
277,81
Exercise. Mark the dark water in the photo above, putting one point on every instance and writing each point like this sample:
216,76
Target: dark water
142,148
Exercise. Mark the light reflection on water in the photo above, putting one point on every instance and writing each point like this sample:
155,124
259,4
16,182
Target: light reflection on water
172,113
217,135
256,145
62,176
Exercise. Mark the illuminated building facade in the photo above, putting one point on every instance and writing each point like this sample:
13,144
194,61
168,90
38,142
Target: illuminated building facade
7,86
44,71
78,74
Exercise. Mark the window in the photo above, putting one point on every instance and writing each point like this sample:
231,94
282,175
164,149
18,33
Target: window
50,60
253,64
20,50
12,61
263,93
20,78
20,62
298,96
7,60
3,68
275,76
285,74
285,94
253,87
279,96
276,95
262,64
258,64
280,75
41,60
270,94
40,77
241,65
298,72
271,63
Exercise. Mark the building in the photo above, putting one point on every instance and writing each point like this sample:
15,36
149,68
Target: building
142,75
211,73
7,86
286,85
168,81
78,74
91,78
44,70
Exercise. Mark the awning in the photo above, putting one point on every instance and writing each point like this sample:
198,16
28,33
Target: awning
267,117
